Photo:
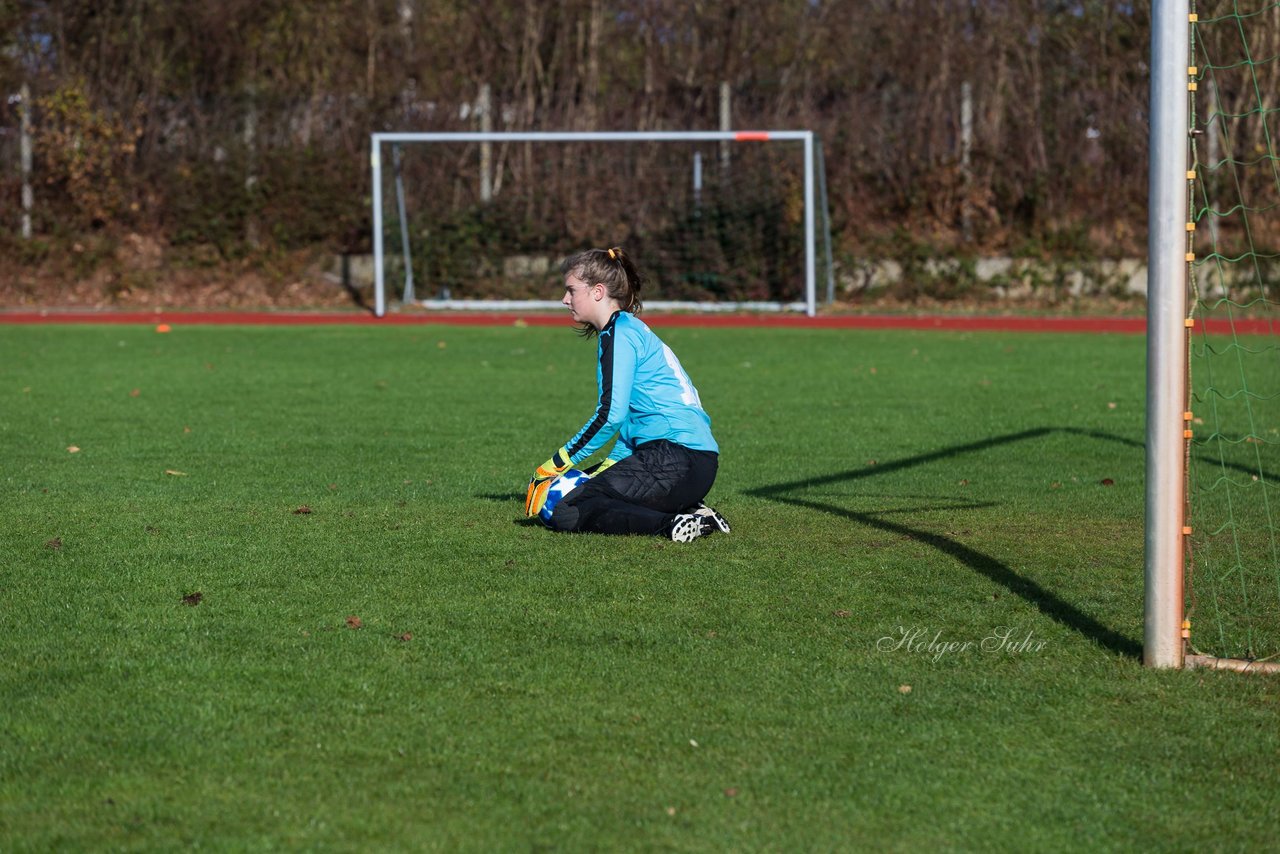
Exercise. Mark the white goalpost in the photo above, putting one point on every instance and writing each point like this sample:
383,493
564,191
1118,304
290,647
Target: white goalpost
647,187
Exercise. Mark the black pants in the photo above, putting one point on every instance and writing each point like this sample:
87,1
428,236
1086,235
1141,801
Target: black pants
641,494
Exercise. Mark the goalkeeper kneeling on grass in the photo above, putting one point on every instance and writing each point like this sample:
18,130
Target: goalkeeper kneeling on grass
665,459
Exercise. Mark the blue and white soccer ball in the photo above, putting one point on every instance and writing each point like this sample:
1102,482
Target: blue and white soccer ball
560,487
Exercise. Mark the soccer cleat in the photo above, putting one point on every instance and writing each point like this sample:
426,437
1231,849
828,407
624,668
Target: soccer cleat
713,516
687,527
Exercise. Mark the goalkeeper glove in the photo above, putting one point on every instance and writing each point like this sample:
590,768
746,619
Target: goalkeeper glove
596,469
558,464
536,495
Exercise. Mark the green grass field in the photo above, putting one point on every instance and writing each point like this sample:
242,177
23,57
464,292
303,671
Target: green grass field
924,631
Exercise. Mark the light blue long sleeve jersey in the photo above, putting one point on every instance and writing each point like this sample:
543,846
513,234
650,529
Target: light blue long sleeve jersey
644,395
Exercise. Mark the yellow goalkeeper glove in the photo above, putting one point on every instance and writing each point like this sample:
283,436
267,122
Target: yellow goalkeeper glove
558,464
536,495
596,469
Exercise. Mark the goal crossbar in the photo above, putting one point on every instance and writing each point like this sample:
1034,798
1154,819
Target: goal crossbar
377,140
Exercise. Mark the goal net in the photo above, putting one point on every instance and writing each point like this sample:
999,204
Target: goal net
1233,548
715,220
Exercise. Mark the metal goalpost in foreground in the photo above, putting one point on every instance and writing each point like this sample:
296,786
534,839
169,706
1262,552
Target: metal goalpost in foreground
1167,260
1171,266
814,188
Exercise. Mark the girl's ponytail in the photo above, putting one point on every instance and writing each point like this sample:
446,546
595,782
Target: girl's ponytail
612,268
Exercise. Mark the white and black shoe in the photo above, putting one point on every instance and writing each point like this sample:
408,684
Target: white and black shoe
687,527
712,515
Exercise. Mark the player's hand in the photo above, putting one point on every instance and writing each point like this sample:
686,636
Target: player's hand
592,471
558,464
536,495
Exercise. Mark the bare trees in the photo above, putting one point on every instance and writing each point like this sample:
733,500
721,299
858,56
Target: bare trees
211,115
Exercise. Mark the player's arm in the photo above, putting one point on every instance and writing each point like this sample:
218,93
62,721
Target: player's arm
616,380
617,375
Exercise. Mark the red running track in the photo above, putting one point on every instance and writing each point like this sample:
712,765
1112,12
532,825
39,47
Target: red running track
1123,325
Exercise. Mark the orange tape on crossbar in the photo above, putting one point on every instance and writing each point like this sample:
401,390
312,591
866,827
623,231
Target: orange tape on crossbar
751,136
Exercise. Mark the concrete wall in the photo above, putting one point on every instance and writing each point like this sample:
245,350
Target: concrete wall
1001,277
1011,278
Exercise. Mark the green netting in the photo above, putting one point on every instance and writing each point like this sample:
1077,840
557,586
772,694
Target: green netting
707,228
1233,575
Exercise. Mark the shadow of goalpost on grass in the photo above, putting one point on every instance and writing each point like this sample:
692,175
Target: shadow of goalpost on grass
1046,601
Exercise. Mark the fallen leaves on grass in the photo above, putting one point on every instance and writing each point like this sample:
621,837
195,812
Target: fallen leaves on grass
731,792
135,393
904,689
406,637
55,543
842,613
1106,481
193,599
354,622
175,473
302,511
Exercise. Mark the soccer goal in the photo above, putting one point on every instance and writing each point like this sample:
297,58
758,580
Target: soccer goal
1213,383
716,220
